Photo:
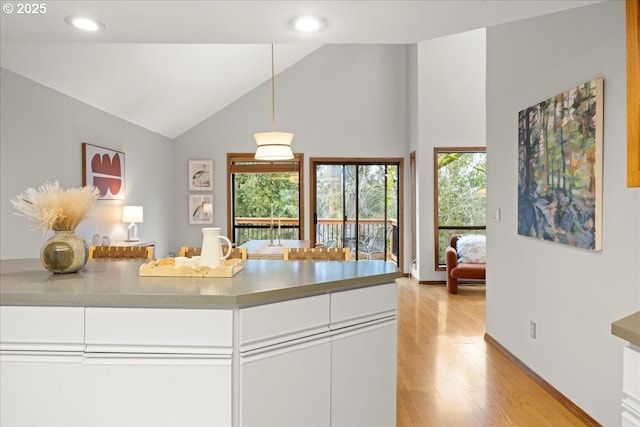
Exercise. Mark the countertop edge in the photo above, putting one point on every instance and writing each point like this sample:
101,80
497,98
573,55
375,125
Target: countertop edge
195,301
302,291
628,328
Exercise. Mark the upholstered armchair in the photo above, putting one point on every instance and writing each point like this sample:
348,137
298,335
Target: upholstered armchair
465,259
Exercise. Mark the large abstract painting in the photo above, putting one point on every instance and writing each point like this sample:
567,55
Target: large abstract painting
560,167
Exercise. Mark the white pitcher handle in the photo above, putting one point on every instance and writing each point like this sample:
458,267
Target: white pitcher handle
228,246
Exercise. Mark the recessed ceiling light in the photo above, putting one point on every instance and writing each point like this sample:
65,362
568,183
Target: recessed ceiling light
83,23
307,24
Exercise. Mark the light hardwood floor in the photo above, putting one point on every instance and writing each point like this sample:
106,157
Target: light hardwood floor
449,376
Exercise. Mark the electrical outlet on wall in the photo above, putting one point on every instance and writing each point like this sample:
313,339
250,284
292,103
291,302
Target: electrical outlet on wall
532,329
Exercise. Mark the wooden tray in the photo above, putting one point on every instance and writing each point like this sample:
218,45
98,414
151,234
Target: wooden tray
165,267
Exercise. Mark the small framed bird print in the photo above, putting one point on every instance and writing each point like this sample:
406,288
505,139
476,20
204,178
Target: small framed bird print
200,208
200,175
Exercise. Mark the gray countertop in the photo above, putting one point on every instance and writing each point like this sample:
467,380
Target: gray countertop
116,283
628,328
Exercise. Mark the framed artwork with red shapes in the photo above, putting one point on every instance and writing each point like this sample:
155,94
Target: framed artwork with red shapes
104,169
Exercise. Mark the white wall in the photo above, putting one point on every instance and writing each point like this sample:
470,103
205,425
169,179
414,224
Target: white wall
41,132
340,101
572,294
451,112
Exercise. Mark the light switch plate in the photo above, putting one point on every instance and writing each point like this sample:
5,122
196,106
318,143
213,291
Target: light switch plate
494,214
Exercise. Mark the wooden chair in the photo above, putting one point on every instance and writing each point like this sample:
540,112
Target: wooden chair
317,254
121,252
236,253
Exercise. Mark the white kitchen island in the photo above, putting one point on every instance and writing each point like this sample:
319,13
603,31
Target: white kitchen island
281,343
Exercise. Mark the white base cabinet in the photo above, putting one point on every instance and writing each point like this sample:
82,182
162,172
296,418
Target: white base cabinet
325,360
631,387
158,367
73,366
328,360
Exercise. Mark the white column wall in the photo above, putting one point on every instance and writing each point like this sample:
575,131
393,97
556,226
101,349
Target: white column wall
572,294
451,113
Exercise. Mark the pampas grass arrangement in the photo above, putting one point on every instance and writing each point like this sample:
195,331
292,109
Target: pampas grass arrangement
53,208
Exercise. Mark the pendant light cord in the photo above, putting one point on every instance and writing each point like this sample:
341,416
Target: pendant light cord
273,93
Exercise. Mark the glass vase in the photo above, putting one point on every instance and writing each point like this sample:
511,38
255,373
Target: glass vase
64,252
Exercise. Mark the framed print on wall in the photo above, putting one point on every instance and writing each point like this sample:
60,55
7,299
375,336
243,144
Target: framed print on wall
104,169
200,208
200,175
560,167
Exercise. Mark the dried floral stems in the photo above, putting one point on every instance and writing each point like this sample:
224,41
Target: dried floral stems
54,208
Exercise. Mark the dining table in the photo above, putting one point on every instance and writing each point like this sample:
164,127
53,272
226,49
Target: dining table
271,249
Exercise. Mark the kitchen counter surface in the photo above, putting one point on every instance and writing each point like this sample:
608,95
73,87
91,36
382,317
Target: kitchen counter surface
116,283
628,328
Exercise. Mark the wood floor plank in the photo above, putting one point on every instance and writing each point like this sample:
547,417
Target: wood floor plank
447,374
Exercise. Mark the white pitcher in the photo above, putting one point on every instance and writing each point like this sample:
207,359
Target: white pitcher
211,253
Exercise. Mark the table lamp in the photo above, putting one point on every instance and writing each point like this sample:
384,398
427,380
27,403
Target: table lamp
132,214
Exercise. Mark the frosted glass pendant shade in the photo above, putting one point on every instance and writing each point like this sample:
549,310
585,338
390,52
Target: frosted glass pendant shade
273,146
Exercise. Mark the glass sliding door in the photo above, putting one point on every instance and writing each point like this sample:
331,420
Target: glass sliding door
330,206
356,205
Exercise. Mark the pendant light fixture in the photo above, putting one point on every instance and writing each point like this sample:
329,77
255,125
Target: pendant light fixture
273,145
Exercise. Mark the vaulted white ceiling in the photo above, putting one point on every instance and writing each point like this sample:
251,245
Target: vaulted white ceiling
168,65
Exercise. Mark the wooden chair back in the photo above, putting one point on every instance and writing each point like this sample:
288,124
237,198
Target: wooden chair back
317,254
236,253
121,252
189,251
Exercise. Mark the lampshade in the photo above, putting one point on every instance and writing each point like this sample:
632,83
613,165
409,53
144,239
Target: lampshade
132,214
273,146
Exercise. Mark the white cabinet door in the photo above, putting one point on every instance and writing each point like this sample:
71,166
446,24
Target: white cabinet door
631,386
288,386
40,389
145,390
363,376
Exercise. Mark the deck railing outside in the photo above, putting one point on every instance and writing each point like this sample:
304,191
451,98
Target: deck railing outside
328,232
264,229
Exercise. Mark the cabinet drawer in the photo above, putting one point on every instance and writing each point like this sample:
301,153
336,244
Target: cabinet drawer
363,305
149,330
270,324
41,328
